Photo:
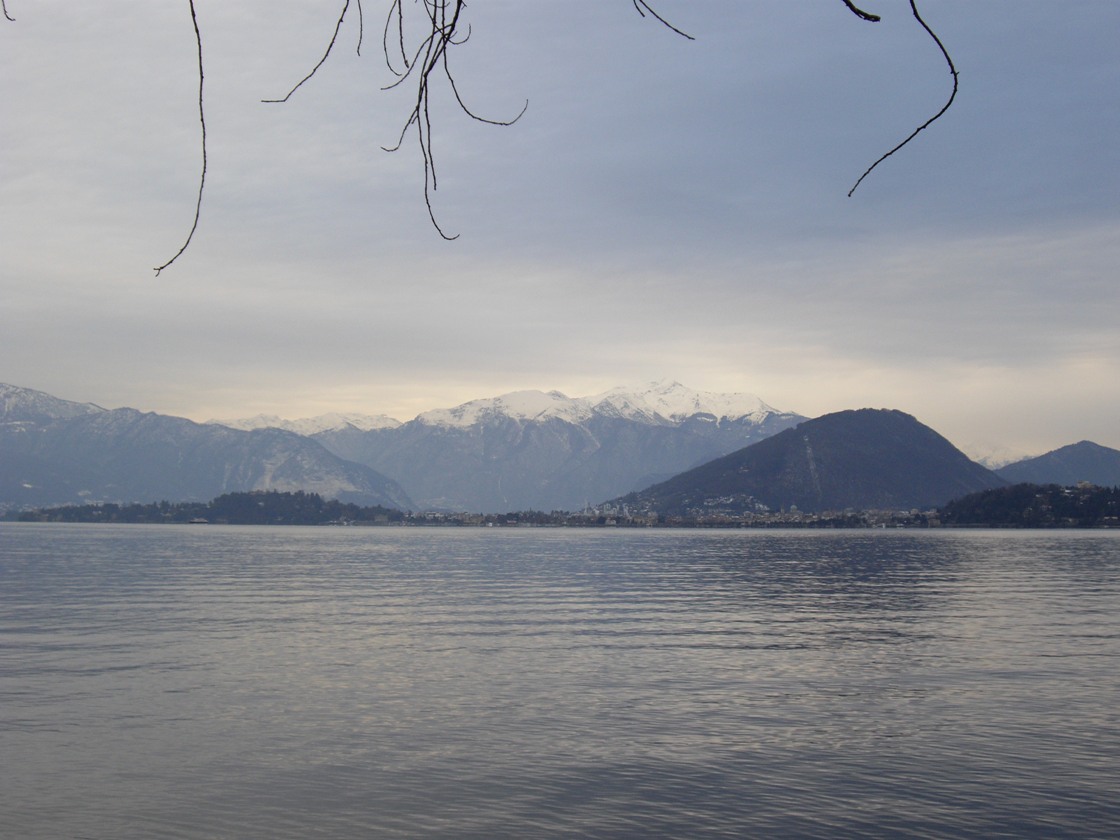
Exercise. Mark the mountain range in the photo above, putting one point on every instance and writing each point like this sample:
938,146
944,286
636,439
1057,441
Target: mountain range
54,452
546,451
520,451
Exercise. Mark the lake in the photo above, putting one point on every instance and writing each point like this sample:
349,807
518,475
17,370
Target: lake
245,682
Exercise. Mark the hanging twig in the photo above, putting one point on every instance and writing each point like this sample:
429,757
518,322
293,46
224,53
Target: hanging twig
330,47
931,120
394,11
361,28
431,55
644,7
860,13
202,123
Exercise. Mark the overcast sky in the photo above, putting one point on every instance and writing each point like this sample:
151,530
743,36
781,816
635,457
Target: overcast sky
665,209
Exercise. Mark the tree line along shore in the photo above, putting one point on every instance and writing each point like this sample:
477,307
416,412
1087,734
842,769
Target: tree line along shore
1015,506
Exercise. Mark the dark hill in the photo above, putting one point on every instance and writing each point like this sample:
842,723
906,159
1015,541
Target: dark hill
1070,465
866,459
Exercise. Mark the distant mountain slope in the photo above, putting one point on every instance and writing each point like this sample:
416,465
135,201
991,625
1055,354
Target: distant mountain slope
311,425
546,451
864,459
1067,466
23,405
56,452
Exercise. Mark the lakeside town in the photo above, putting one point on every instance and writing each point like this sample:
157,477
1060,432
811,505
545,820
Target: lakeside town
1021,505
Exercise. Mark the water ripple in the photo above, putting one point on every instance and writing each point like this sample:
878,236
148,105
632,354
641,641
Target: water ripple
293,683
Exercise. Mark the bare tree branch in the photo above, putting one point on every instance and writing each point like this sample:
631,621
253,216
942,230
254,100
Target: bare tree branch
432,55
643,8
394,11
441,32
330,47
931,120
361,28
860,13
202,123
429,57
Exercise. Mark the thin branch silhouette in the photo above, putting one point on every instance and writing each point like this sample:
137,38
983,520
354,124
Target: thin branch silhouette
429,60
860,13
202,123
931,120
330,46
644,8
429,57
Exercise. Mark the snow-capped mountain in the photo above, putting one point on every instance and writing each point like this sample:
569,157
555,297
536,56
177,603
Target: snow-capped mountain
547,451
659,403
519,405
656,402
519,451
673,402
23,405
311,425
55,452
992,455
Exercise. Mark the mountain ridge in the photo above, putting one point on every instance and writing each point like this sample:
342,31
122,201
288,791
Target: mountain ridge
546,451
57,452
658,401
308,426
858,459
1068,465
526,450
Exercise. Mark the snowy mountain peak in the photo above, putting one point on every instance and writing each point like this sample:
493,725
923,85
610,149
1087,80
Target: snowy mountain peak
311,425
653,403
656,403
23,404
674,402
519,405
993,455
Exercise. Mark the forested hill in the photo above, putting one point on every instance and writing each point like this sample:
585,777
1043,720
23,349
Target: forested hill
253,508
1037,506
867,459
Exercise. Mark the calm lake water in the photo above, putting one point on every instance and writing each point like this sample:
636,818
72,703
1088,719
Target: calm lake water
223,682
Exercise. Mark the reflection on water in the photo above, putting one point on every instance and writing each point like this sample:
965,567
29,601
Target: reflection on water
256,682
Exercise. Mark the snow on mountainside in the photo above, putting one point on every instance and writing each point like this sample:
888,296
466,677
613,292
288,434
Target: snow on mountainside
519,405
673,401
656,403
993,456
55,452
311,425
23,404
547,451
